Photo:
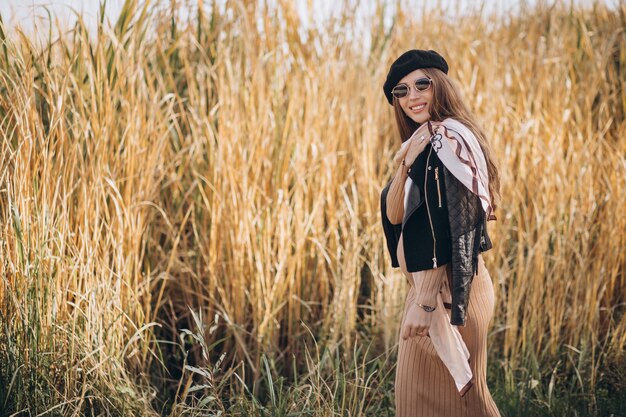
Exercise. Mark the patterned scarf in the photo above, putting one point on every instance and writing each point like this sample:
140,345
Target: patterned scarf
458,148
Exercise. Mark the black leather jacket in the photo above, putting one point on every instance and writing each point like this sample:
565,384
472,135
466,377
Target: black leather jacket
467,234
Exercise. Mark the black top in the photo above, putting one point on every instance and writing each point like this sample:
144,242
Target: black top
417,232
466,228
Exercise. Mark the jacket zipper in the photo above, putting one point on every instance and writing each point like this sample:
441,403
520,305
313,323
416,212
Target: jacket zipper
438,190
430,220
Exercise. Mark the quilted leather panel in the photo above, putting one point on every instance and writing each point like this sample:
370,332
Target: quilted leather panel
466,219
463,206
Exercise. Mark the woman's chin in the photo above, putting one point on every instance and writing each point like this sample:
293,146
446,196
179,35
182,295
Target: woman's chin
421,119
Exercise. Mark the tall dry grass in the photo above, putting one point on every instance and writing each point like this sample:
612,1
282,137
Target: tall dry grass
226,165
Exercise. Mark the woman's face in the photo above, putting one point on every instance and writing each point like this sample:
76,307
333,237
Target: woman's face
416,104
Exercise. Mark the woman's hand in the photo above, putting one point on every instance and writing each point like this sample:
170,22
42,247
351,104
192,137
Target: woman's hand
427,285
399,156
413,146
417,322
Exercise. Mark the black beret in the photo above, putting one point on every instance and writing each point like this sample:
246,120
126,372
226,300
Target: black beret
408,62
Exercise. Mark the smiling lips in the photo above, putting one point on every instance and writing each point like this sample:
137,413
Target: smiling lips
418,107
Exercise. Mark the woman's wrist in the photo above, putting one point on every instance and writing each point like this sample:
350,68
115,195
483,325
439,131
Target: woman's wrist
426,302
403,168
426,291
426,307
427,286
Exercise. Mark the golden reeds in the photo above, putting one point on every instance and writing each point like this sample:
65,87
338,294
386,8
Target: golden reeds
227,165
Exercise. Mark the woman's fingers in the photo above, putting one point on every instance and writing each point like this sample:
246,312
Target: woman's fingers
415,150
406,332
417,323
421,131
411,331
402,151
418,141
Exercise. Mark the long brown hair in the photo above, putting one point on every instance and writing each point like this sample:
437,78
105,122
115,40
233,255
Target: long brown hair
447,102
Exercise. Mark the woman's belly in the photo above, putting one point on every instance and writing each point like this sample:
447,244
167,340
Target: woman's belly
445,289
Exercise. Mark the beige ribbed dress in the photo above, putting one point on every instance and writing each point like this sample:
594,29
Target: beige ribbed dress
423,384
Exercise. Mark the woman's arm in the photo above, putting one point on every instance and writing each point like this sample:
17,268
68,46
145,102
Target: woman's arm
419,316
427,285
405,157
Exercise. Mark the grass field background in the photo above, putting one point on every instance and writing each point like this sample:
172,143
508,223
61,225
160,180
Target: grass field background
189,210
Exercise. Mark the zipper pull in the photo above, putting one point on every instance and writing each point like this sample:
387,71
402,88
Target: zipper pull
438,189
435,262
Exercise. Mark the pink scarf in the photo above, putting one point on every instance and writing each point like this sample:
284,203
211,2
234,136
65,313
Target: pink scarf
458,148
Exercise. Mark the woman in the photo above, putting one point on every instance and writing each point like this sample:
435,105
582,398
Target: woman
434,214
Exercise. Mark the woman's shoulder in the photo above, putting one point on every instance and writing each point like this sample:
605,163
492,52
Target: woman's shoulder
454,127
453,123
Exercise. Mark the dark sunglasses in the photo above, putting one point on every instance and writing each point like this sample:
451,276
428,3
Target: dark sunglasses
403,90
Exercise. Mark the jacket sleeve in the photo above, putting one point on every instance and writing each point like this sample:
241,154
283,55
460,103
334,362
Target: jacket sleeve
392,231
466,226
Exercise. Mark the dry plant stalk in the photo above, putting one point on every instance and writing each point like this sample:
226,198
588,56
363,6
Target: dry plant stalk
230,166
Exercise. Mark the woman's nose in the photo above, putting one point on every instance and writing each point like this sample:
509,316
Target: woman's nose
413,92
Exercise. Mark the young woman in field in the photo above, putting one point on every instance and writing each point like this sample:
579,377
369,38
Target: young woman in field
434,213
